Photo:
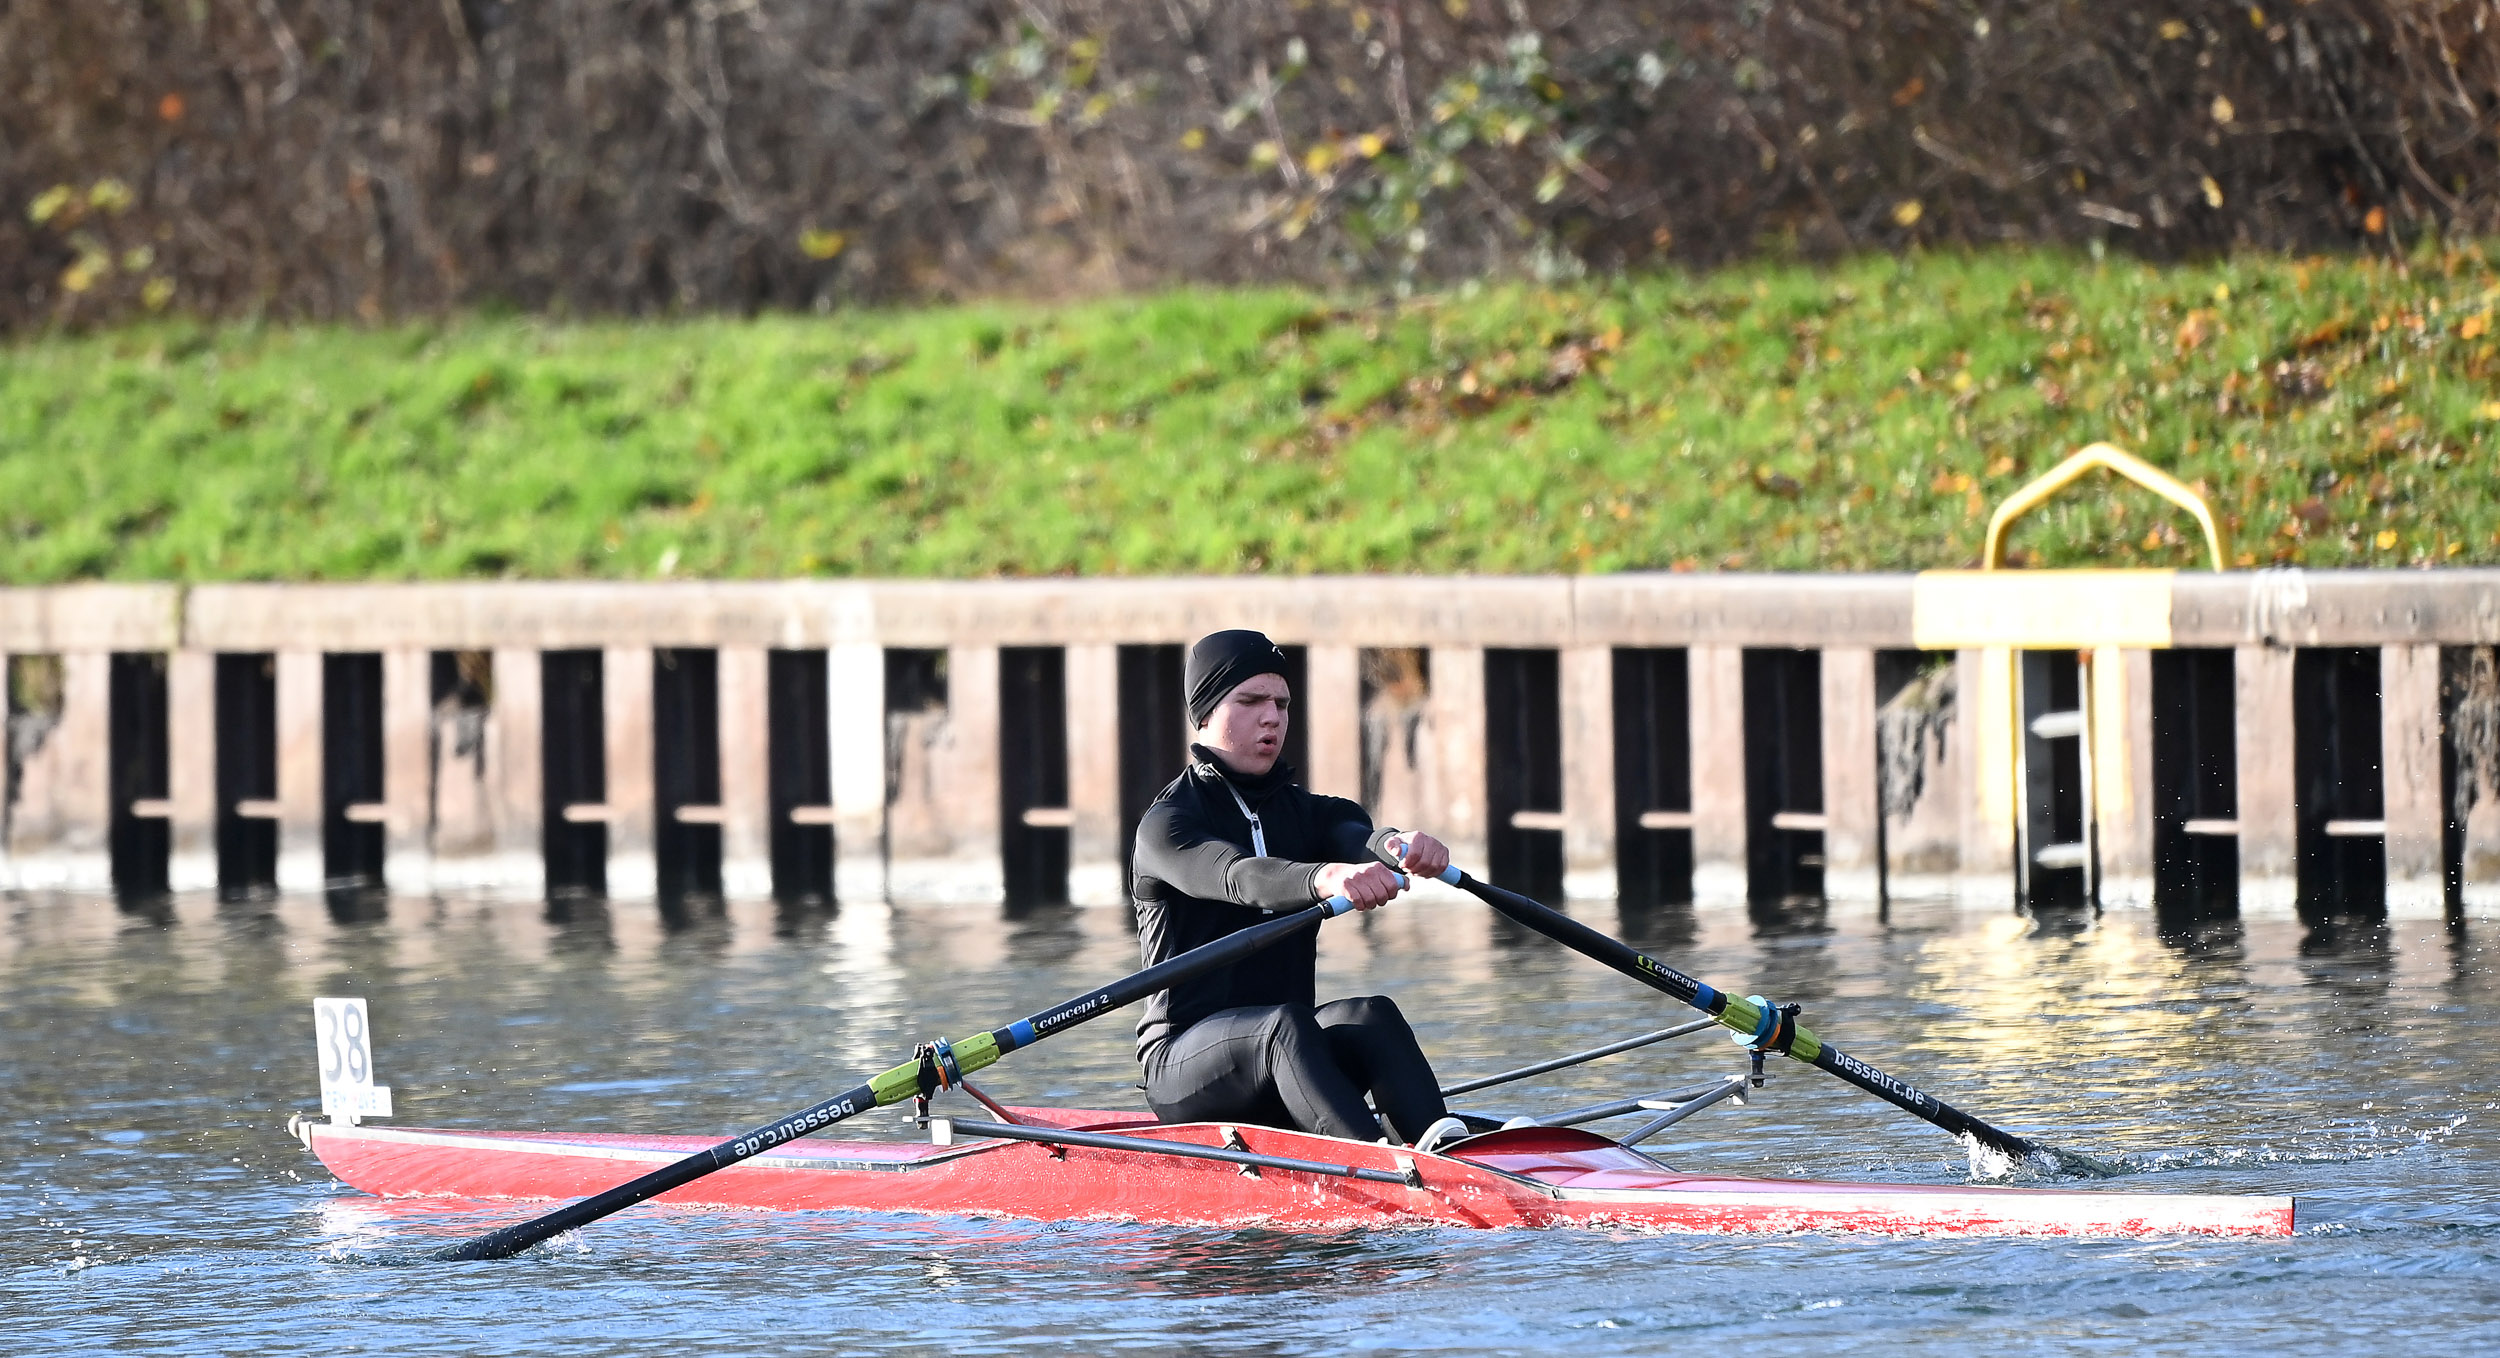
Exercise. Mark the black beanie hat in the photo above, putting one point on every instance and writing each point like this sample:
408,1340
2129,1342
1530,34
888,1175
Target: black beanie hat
1220,662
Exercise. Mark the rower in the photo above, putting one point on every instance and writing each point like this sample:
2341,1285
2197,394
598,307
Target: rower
1236,839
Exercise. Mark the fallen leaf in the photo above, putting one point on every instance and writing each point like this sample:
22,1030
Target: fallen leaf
2222,111
2195,330
2386,539
2376,221
2172,30
2310,511
2327,333
2213,192
1909,92
1907,212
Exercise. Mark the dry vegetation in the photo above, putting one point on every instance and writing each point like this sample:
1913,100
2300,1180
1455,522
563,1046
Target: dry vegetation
335,159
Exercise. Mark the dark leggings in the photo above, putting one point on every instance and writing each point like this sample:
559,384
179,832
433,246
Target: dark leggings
1287,1066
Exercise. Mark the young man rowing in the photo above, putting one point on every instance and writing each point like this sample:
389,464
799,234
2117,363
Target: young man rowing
1234,840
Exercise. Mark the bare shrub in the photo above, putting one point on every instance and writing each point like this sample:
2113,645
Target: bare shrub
335,158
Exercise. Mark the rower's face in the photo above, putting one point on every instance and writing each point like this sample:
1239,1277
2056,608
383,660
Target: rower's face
1249,725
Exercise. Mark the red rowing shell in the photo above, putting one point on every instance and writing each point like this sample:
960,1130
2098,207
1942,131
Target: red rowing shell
1538,1176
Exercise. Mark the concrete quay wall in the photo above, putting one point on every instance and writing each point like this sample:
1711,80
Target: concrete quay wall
2033,734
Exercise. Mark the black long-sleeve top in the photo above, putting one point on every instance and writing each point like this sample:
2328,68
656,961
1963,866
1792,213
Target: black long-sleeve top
1195,880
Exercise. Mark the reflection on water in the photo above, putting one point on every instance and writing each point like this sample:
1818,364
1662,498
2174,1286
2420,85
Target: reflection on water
1789,917
148,1197
1245,1263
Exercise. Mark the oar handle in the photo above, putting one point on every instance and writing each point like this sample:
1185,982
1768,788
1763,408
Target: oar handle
1449,871
973,1053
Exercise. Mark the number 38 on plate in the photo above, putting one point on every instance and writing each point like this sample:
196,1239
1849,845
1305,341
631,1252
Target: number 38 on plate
343,1040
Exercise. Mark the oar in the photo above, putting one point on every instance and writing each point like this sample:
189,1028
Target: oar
1768,1027
952,1061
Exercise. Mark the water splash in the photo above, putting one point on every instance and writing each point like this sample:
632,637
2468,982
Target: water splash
2056,1162
1990,1165
1987,1163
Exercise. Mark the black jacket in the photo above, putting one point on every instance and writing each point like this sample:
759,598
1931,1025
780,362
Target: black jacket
1194,881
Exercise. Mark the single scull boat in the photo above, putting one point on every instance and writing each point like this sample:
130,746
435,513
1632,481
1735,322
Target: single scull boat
1081,1164
1125,1169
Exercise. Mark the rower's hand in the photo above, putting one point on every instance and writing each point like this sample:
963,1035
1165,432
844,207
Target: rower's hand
1420,854
1368,885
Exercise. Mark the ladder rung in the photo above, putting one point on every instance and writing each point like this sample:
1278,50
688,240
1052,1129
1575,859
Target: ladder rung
2061,856
2057,725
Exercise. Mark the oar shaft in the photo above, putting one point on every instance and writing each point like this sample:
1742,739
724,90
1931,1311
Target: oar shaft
511,1240
902,1082
1739,1014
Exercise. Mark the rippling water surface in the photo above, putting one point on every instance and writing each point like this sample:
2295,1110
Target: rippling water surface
150,1200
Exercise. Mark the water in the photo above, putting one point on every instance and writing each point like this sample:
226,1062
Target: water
150,1202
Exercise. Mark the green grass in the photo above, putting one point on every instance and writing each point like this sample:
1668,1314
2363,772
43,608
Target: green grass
2338,412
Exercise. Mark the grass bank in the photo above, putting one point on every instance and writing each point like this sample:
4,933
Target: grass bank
2338,412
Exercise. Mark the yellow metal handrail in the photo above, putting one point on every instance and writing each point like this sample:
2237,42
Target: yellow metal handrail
2109,457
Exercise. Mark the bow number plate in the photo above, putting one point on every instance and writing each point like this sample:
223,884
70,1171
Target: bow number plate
344,1041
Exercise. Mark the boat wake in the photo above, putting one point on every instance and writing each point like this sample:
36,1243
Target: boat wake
2355,1143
